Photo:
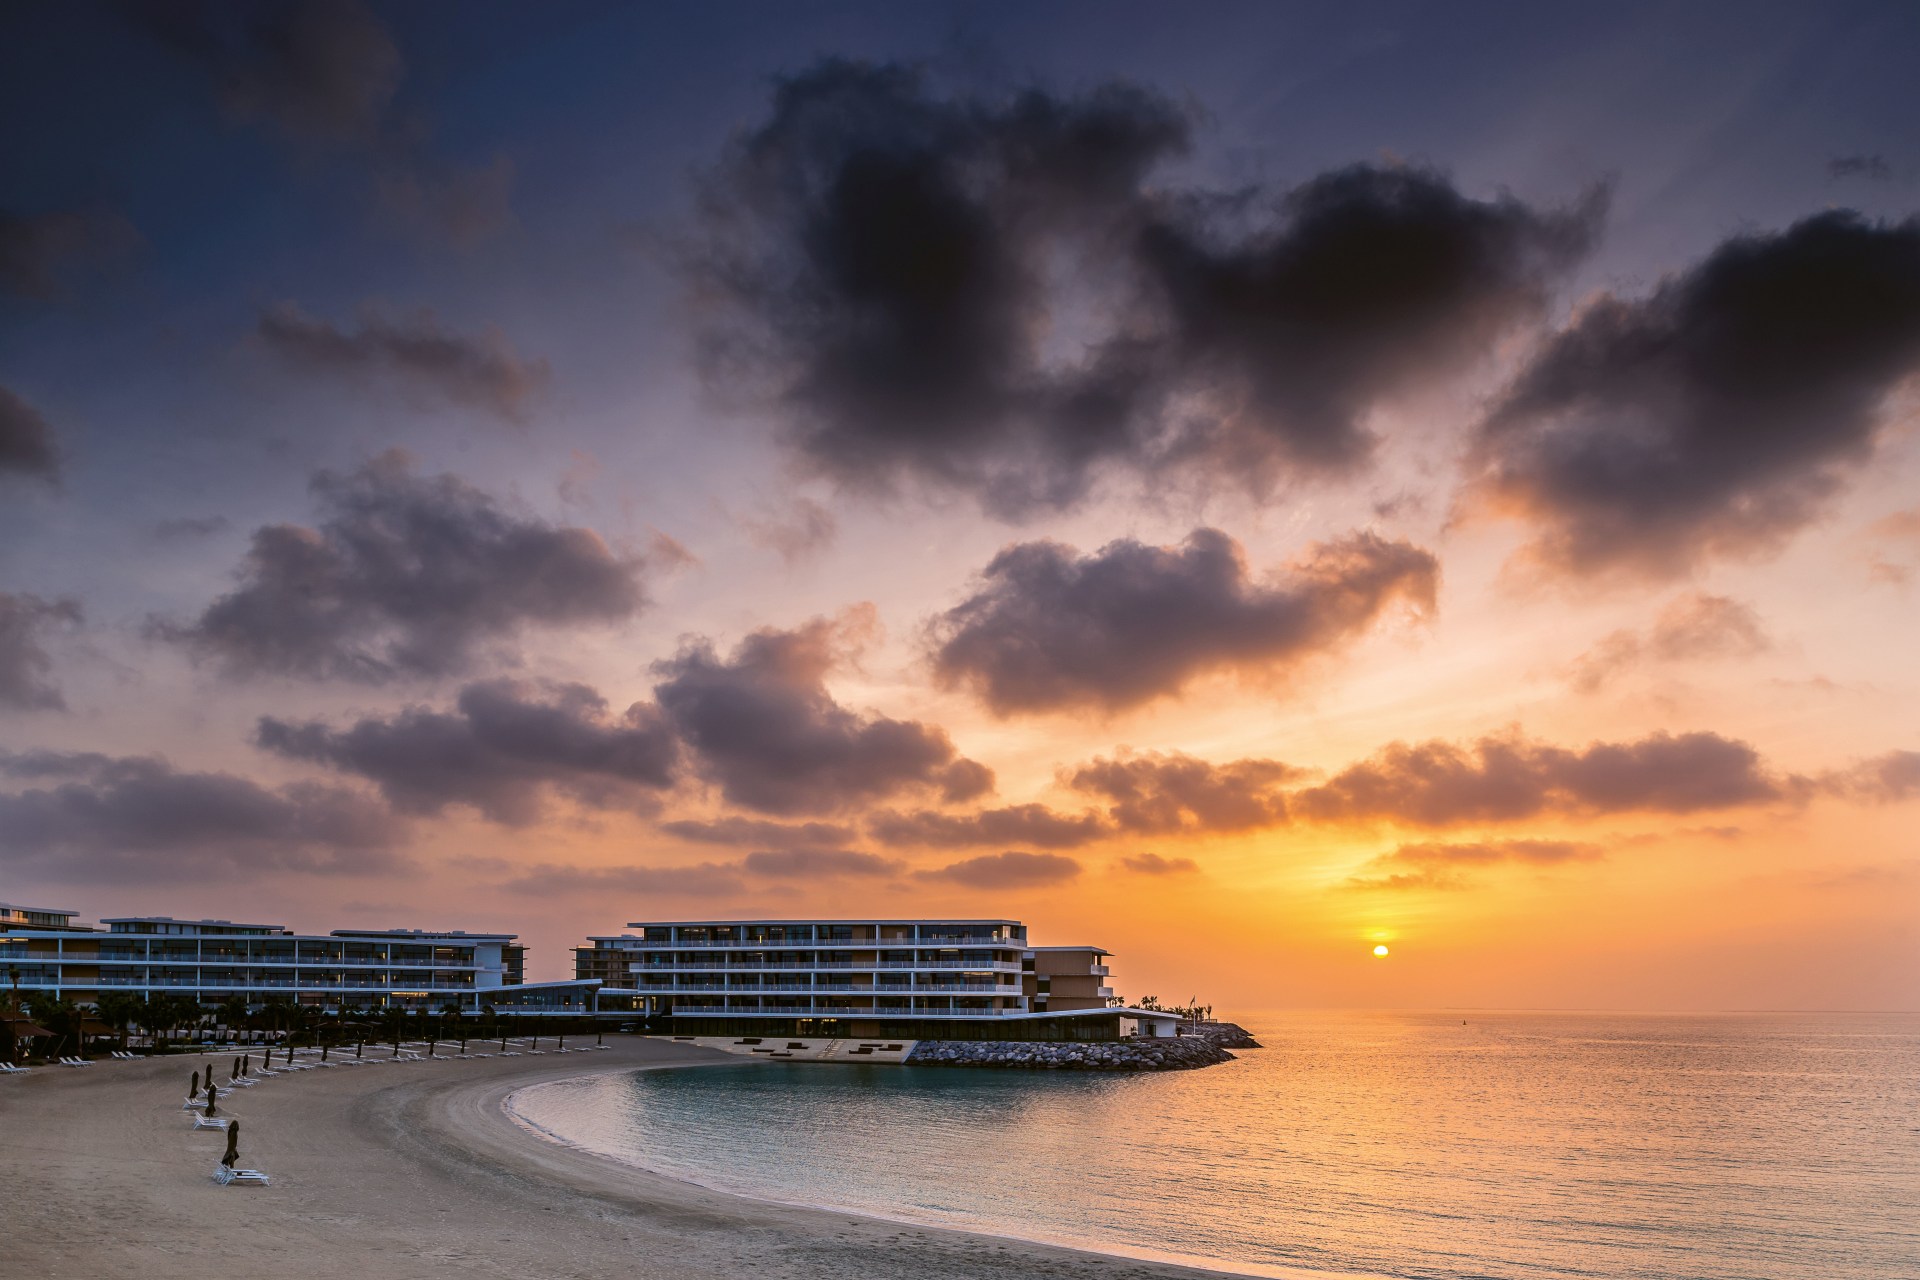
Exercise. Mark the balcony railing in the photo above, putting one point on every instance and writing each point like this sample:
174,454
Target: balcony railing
802,1011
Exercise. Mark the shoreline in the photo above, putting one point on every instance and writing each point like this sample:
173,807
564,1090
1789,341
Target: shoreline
419,1169
1179,1265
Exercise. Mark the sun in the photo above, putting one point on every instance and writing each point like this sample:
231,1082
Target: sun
1380,950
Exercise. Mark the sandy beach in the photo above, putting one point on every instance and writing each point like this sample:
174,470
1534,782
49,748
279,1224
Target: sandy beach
415,1169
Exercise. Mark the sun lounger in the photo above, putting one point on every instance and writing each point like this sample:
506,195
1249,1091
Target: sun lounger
209,1122
239,1177
8,1069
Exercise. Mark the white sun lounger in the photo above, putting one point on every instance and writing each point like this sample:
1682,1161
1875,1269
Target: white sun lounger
239,1177
8,1069
209,1122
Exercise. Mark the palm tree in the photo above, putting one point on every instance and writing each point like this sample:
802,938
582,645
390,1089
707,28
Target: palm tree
118,1009
234,1013
60,1016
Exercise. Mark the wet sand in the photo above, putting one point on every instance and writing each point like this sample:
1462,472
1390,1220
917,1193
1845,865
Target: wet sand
415,1169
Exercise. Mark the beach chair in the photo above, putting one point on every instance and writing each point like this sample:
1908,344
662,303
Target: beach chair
210,1122
239,1177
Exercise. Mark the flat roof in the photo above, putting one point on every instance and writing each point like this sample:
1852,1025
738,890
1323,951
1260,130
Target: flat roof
705,924
45,911
231,924
1097,950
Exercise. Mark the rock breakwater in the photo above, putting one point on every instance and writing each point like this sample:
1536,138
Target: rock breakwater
1179,1054
1228,1035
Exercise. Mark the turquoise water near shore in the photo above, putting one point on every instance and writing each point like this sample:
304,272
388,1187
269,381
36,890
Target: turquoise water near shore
1525,1146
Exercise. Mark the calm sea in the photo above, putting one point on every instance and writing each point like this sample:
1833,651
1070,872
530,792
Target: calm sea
1756,1147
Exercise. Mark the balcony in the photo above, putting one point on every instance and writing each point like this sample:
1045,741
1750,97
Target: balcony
802,1011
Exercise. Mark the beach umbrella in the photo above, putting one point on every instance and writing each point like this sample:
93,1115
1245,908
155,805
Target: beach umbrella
212,1110
235,1073
193,1090
358,1047
246,1064
563,1041
598,1033
233,1144
323,1050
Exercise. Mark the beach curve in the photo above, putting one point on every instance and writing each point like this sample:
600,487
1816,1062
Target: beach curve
418,1169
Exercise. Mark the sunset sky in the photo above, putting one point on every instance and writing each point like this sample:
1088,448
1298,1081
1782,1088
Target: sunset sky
1233,484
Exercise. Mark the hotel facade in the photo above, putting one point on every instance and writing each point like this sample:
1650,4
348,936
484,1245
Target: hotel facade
42,951
907,979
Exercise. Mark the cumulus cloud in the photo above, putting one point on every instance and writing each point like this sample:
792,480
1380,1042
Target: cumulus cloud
26,441
1719,414
506,745
1152,864
819,864
883,245
25,623
1032,824
139,818
745,832
38,251
1507,778
1691,627
405,576
1154,793
1443,865
1010,870
1296,316
1049,629
415,353
992,293
762,725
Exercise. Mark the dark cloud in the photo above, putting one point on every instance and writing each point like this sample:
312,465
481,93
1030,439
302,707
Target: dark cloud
742,832
1032,824
903,263
25,623
405,576
887,247
1692,627
1872,167
328,74
38,251
1507,778
1050,630
1443,866
1152,864
764,728
1009,870
1295,317
502,750
1156,793
1718,415
139,818
315,70
26,441
701,880
819,864
419,356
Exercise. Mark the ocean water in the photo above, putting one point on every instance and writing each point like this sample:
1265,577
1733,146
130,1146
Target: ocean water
1737,1147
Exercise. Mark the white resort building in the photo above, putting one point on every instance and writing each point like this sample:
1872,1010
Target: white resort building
42,950
907,979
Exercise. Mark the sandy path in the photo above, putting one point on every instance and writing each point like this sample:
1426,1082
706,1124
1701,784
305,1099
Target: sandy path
405,1170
